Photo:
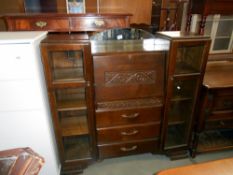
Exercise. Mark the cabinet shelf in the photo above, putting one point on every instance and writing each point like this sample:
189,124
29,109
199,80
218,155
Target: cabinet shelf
68,74
176,122
176,137
72,126
184,68
76,147
215,140
177,99
71,80
71,105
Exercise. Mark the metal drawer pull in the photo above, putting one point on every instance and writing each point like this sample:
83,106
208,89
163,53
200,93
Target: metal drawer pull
129,133
135,115
129,149
222,123
99,23
41,24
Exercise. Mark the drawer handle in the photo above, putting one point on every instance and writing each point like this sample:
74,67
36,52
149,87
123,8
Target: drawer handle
131,116
41,24
222,123
99,23
129,133
129,149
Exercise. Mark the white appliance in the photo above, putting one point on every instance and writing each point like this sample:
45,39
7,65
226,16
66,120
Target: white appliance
24,110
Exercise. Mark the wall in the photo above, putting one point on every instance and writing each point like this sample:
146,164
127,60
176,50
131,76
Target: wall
10,6
141,9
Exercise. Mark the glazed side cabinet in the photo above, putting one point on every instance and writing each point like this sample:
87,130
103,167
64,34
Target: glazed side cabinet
68,70
186,64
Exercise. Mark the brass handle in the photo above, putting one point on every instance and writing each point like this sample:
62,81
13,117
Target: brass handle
129,149
131,116
222,123
41,24
99,23
129,133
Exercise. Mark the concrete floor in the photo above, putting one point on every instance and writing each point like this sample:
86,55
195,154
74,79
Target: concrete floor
147,164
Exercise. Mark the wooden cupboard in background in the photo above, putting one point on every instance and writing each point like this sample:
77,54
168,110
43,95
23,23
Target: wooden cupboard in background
143,12
152,15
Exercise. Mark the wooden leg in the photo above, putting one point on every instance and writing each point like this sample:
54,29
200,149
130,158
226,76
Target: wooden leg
188,23
202,25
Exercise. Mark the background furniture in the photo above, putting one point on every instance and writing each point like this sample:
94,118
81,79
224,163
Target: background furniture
24,112
20,161
65,22
150,15
223,167
215,19
214,129
186,65
208,7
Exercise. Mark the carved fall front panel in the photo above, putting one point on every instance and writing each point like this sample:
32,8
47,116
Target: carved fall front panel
130,77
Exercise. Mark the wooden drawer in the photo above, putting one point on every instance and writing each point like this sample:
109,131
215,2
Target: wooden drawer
219,124
223,100
124,149
127,76
129,133
39,23
220,115
97,23
18,64
127,117
220,119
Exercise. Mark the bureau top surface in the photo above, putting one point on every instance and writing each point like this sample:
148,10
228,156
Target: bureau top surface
219,74
127,40
20,37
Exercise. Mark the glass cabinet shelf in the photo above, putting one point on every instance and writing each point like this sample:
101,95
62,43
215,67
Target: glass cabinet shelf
73,123
70,99
71,105
176,137
179,111
184,88
77,147
66,65
185,64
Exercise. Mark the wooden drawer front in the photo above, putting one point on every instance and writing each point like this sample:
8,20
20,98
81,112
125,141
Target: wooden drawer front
97,24
220,115
126,76
221,124
130,133
130,116
124,149
17,62
50,24
223,100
